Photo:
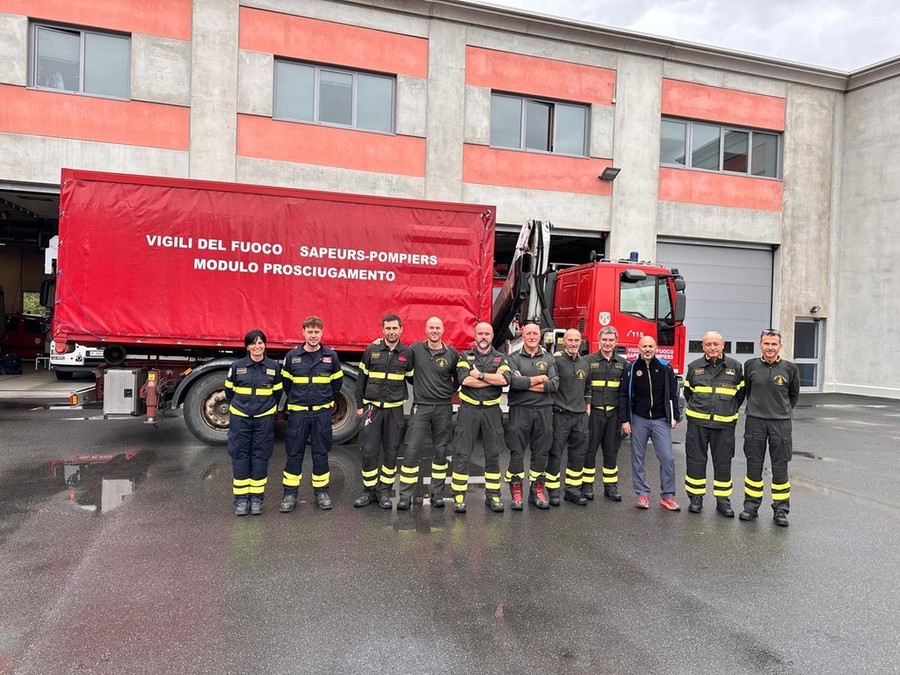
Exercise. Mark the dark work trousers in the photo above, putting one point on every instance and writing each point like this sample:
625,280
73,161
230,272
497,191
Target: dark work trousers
250,444
720,443
606,434
426,420
528,425
382,429
570,430
313,427
470,421
777,433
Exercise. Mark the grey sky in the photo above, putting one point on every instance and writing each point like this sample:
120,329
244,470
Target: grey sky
840,34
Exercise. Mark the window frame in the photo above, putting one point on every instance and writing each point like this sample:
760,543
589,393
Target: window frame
552,142
82,31
355,75
724,129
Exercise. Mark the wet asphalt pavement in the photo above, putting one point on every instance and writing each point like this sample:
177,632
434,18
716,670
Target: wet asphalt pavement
138,566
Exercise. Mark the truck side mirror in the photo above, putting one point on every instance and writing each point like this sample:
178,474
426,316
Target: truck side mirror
680,306
48,292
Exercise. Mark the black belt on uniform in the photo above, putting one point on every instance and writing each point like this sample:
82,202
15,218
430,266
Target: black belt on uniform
563,411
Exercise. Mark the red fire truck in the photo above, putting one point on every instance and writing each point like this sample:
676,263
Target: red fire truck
167,275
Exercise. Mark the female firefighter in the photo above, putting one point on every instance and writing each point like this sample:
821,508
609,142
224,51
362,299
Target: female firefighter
252,387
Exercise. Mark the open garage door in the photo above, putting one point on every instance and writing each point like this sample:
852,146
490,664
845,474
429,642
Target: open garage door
729,289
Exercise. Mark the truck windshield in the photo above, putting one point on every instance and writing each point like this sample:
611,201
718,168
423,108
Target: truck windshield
646,299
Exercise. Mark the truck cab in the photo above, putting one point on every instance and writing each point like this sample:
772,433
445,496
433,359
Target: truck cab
638,298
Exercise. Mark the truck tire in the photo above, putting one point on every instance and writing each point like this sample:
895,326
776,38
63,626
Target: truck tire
206,409
344,422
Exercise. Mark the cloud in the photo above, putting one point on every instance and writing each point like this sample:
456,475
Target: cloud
839,34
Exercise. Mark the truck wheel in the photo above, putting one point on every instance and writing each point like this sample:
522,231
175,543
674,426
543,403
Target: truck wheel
63,376
344,422
206,409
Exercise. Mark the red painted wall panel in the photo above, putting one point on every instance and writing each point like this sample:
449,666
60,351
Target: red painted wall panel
165,18
265,138
490,166
539,77
726,106
333,43
93,119
715,189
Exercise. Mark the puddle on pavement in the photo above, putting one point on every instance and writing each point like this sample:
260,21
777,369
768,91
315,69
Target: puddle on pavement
101,483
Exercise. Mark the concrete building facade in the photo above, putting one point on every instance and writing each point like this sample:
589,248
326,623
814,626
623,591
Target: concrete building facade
778,204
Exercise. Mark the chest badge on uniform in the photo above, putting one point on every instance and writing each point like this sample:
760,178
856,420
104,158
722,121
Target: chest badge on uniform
729,371
779,380
270,371
441,362
579,374
639,373
241,371
699,371
541,365
326,359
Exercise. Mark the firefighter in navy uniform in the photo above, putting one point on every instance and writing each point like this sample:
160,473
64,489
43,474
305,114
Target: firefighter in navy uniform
482,372
773,389
607,372
380,394
713,392
432,413
312,379
252,387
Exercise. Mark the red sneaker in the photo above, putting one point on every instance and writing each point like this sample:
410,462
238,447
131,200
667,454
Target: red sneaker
642,502
670,504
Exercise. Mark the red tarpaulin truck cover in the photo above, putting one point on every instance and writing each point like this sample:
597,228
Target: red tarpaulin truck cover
181,263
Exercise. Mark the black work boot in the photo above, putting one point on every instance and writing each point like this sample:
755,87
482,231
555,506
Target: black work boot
554,496
366,498
723,507
749,512
696,504
588,491
323,500
256,508
242,507
780,518
574,495
288,502
437,498
611,492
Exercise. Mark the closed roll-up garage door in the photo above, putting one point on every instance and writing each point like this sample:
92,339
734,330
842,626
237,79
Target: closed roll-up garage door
729,290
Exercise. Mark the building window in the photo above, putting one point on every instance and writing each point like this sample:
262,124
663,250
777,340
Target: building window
700,145
543,126
325,95
80,61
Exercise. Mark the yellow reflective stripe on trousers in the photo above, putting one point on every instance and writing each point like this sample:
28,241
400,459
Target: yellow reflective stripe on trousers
781,491
241,486
305,408
259,391
379,404
753,488
257,486
320,481
722,488
291,479
475,401
409,474
270,411
695,486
